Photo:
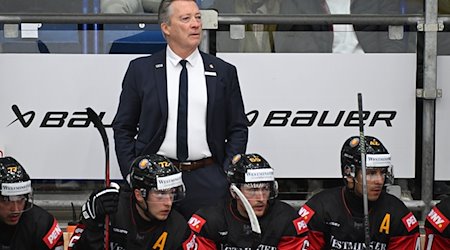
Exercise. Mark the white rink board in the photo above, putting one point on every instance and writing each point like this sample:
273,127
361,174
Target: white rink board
327,82
58,84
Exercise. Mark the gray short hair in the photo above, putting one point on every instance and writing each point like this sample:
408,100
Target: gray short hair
164,11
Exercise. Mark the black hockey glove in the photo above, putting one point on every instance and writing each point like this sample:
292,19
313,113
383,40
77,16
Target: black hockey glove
99,204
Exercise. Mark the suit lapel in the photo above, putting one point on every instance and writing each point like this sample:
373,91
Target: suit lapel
159,67
211,84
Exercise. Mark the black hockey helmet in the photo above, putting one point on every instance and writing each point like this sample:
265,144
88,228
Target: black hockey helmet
156,172
377,156
15,183
251,168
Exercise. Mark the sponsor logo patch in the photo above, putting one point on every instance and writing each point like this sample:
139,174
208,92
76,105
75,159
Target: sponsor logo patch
306,213
300,225
196,223
437,219
410,222
53,235
190,244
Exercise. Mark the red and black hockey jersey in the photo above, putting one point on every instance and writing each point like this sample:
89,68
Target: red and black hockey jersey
222,227
437,226
37,229
125,235
335,221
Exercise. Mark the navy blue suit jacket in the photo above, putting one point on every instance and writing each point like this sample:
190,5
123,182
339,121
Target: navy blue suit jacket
318,38
143,110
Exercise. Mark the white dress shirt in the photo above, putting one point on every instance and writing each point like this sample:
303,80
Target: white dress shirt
197,104
344,36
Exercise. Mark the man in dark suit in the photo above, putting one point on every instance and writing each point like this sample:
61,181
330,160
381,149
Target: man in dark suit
322,38
149,121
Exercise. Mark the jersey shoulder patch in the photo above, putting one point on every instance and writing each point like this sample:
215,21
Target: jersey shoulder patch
300,225
196,223
410,221
306,213
437,219
53,235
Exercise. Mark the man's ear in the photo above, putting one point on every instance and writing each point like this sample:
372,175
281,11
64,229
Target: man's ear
165,28
138,195
350,181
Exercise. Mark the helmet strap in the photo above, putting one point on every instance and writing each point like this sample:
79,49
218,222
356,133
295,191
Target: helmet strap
233,194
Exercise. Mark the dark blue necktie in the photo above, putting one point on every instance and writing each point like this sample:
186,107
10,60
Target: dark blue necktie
182,148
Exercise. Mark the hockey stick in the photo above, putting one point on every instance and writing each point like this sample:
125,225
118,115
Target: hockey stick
362,146
251,214
95,119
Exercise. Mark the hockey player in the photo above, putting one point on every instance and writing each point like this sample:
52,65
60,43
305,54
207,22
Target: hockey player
335,217
24,226
437,226
140,219
227,225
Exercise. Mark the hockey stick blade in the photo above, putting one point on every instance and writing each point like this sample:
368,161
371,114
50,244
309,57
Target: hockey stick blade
362,146
251,214
95,119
